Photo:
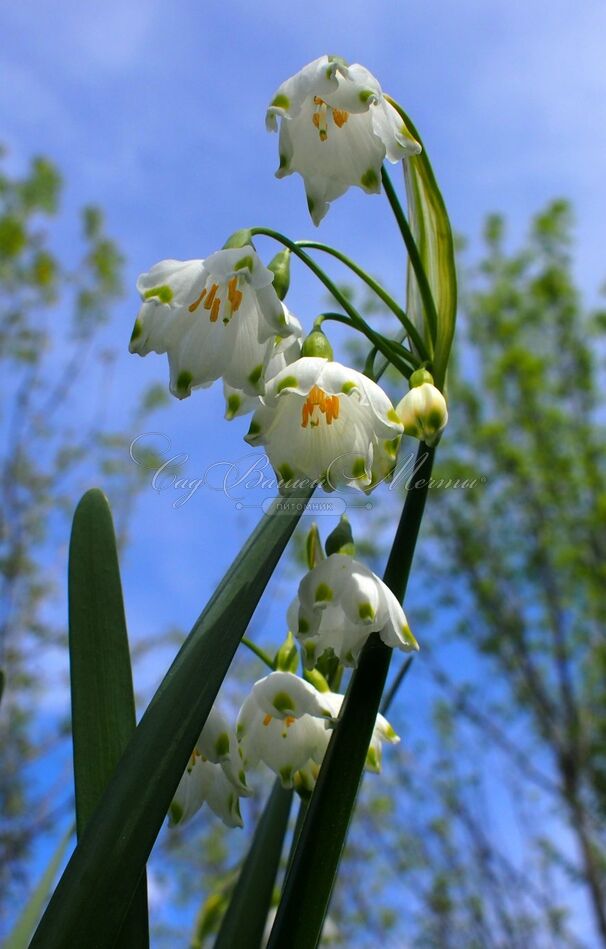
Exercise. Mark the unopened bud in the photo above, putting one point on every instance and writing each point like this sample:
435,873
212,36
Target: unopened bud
317,344
241,238
280,267
423,413
287,656
341,541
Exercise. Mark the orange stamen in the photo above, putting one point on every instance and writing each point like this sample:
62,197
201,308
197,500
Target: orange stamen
289,720
319,118
211,296
267,720
340,117
214,313
194,306
327,405
234,295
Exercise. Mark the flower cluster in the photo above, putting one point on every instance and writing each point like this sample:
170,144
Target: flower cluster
320,422
221,317
284,723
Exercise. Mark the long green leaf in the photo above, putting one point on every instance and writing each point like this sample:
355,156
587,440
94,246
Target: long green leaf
103,701
311,876
246,916
31,912
432,232
92,898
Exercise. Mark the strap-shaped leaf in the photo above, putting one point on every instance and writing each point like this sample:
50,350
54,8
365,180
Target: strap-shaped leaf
246,916
313,869
103,702
30,914
93,896
430,226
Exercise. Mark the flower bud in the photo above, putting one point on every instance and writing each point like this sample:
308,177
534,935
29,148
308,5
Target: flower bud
317,345
341,541
287,656
280,267
239,239
423,412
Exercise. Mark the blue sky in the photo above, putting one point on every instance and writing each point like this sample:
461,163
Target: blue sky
156,112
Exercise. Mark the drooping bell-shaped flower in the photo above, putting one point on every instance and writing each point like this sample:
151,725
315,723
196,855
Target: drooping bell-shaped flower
284,351
323,422
338,605
306,777
214,774
286,723
336,128
214,318
282,723
423,410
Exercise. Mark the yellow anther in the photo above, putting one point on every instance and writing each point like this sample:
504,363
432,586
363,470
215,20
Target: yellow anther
214,313
319,118
326,405
194,306
267,720
340,117
289,720
210,299
234,295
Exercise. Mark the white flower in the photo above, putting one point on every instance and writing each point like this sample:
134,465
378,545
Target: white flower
214,774
283,352
282,724
286,723
323,422
336,129
214,317
339,604
423,413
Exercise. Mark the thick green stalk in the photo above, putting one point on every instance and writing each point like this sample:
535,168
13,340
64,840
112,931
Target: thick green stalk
310,881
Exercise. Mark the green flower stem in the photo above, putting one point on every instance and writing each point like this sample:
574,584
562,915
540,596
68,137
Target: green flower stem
312,265
374,285
266,658
303,805
391,349
413,254
355,319
259,653
309,883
